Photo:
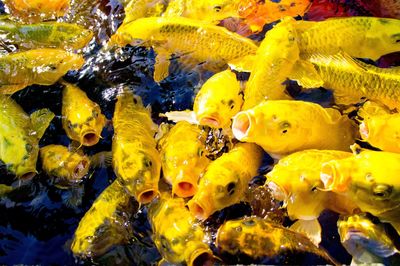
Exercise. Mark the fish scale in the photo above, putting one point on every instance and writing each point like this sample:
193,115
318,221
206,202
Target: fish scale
352,80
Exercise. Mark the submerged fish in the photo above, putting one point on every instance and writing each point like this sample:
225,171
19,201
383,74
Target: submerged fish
226,180
183,158
45,35
281,127
362,37
81,117
19,137
295,180
136,9
135,159
66,166
275,59
37,10
366,241
380,127
176,234
218,100
370,180
258,13
39,66
352,80
105,224
197,41
260,238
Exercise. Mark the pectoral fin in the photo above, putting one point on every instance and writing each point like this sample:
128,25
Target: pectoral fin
101,159
161,66
11,89
306,75
176,116
40,120
243,64
311,228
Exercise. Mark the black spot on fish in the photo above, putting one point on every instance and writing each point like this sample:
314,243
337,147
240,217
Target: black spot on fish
275,1
383,21
249,222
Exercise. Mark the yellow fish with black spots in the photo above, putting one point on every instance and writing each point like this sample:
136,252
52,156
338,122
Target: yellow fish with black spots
135,159
39,66
19,137
82,119
177,235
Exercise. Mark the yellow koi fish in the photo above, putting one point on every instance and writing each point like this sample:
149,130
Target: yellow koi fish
177,235
362,37
183,158
105,223
281,127
66,166
226,180
260,238
81,118
370,180
19,137
295,180
4,190
45,35
199,41
135,159
39,66
366,241
37,10
352,80
380,127
218,100
275,59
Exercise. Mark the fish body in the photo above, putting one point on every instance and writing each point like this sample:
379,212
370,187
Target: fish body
362,37
177,235
105,223
45,35
366,241
295,180
37,10
136,9
66,166
135,160
193,41
226,180
81,117
259,238
282,127
276,56
258,13
351,80
39,66
19,137
380,127
183,158
370,180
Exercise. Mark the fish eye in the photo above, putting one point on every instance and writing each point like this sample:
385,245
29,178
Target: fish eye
284,126
382,190
230,188
231,104
200,152
70,125
396,37
95,114
217,8
249,222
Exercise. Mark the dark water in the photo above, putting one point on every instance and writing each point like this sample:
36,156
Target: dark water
37,220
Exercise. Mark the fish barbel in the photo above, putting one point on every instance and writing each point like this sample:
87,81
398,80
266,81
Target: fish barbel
135,160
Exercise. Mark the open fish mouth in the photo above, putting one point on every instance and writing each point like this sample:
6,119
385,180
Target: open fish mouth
90,138
241,125
210,121
364,130
81,169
